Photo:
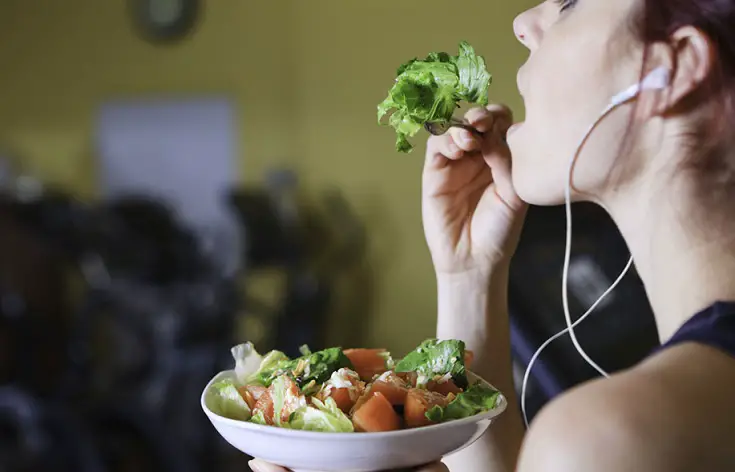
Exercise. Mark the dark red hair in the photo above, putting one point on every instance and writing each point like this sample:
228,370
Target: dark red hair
715,18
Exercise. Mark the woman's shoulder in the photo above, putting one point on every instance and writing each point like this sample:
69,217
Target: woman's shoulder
672,412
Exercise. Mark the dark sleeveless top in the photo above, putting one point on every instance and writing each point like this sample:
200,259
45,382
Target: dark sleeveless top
713,326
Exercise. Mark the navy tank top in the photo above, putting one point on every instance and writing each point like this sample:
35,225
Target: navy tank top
713,326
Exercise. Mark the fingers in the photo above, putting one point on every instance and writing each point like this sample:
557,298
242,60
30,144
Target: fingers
435,467
464,139
258,465
493,121
494,118
502,117
443,147
496,154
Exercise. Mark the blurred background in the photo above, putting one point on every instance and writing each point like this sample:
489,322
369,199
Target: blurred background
178,176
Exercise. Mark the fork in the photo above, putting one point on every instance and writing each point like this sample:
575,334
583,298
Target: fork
438,129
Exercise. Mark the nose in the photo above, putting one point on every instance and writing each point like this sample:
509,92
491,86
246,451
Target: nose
519,28
527,28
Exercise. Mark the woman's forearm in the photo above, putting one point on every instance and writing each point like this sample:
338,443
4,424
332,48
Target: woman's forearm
473,307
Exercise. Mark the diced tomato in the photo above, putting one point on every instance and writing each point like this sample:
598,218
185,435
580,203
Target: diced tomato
344,387
251,394
393,378
292,400
396,395
469,356
265,404
418,402
392,387
445,388
366,394
409,377
342,398
375,415
367,362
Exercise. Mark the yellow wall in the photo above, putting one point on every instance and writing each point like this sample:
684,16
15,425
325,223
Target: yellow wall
307,75
60,59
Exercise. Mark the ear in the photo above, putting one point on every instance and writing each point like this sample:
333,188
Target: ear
689,56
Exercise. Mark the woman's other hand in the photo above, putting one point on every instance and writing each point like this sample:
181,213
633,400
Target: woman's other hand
258,465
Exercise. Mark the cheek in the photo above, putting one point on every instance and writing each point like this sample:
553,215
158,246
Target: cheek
542,153
567,89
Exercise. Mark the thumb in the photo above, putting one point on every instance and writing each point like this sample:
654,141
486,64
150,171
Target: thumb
258,465
497,156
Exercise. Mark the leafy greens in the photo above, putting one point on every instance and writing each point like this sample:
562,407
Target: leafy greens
228,402
321,391
323,416
314,366
436,358
429,90
252,368
476,399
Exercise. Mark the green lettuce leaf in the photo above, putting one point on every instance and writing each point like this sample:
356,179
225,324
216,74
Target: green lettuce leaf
436,358
285,396
429,91
317,366
247,361
476,399
258,418
474,78
324,417
263,374
227,401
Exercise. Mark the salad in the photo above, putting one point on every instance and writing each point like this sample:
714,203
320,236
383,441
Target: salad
352,390
429,91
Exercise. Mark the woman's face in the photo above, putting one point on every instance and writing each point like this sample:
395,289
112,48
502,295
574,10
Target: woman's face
582,52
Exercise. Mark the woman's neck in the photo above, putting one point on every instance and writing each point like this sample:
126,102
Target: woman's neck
684,254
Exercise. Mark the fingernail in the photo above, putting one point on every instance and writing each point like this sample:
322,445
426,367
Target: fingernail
466,137
453,148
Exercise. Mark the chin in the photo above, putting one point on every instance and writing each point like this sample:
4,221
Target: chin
535,188
538,177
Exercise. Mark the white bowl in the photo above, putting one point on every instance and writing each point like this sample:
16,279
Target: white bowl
311,451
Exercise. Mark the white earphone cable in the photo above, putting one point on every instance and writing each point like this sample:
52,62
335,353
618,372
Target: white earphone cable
561,333
568,245
565,273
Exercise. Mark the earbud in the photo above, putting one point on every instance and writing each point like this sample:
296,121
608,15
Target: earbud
657,79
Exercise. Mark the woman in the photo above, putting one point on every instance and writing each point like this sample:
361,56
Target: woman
663,166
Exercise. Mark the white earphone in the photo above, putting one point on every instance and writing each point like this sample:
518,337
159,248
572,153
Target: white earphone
657,79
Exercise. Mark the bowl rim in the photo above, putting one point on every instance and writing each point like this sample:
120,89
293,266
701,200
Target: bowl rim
500,407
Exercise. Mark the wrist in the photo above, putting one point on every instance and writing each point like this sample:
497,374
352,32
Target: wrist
481,276
470,302
473,307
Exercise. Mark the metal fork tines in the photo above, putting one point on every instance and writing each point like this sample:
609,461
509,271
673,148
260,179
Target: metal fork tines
438,129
